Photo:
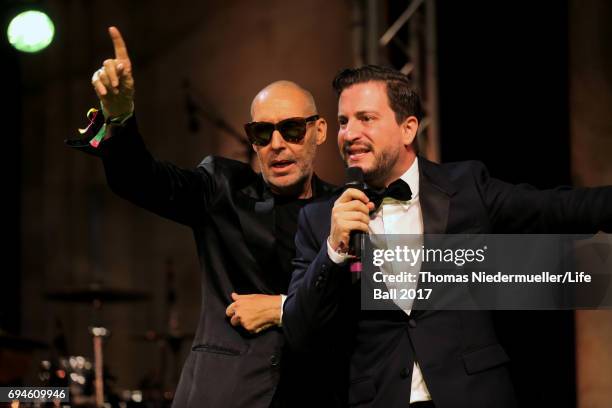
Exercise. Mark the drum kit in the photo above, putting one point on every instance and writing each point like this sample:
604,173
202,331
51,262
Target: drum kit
89,380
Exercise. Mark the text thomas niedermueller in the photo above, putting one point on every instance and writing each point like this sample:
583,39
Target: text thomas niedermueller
459,257
482,277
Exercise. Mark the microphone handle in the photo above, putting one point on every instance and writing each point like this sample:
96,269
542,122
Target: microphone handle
356,243
356,240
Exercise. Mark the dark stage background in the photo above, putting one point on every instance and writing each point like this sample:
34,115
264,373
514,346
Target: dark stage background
504,100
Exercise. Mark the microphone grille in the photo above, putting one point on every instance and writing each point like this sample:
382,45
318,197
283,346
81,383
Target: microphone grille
354,175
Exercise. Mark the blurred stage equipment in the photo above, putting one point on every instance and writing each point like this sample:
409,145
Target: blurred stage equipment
95,294
196,109
15,356
10,342
158,386
408,44
74,372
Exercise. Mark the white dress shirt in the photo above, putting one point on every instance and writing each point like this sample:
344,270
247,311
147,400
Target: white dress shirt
396,217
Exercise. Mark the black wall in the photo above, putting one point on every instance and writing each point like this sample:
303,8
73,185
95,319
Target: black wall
10,168
503,81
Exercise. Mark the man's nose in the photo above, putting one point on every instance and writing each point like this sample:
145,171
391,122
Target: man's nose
277,142
351,131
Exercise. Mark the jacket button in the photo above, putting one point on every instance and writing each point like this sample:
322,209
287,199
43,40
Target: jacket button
412,323
274,360
405,373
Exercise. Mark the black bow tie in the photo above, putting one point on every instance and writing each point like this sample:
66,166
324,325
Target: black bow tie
399,190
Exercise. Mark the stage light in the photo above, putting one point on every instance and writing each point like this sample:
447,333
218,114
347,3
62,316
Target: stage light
30,31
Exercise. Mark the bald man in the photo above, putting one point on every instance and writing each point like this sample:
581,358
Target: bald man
244,225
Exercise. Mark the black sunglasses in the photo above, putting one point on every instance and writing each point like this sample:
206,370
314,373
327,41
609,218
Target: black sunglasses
291,129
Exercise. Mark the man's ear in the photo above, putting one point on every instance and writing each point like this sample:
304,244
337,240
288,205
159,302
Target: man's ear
321,125
409,128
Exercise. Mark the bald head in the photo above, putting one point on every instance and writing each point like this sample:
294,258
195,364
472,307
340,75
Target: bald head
280,100
286,160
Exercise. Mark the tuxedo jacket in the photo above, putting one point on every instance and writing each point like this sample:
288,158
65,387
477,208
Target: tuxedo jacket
462,362
232,215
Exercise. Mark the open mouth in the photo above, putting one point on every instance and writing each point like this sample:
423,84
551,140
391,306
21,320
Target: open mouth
281,164
355,153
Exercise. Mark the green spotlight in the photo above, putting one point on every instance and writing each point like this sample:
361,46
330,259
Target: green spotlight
30,31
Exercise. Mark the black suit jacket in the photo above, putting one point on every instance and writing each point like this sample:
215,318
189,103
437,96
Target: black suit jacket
231,212
458,352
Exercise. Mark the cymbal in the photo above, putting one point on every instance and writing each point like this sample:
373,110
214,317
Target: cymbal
96,292
11,342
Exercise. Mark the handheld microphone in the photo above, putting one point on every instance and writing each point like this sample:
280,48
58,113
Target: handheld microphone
354,179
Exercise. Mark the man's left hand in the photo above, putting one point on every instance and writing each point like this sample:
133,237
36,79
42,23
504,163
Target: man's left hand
255,312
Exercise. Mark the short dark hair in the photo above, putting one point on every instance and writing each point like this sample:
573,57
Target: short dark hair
403,99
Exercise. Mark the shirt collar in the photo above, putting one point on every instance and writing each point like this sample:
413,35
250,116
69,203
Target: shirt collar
411,177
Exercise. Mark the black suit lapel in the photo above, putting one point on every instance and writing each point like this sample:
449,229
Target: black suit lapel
255,209
435,191
321,188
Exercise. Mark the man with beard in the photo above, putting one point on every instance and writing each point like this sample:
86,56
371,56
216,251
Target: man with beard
403,357
244,225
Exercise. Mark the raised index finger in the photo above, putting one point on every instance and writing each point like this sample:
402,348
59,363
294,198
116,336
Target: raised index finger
118,43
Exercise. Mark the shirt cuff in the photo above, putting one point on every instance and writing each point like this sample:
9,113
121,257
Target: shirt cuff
117,120
283,298
336,256
120,120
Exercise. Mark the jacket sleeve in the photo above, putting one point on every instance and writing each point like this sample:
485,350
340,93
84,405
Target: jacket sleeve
564,210
317,289
163,188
